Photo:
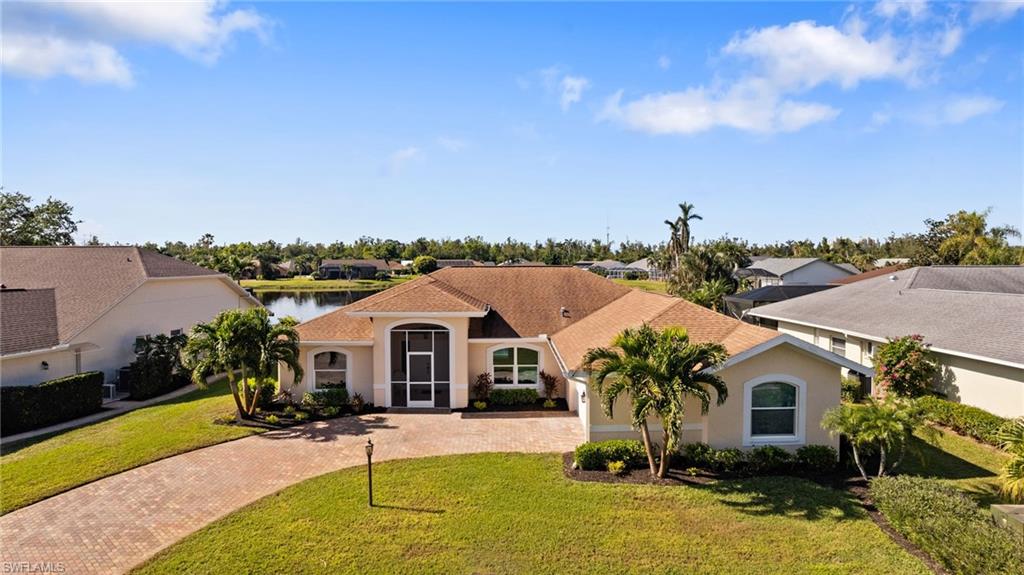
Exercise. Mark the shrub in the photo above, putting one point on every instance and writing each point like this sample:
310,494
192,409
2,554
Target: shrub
905,366
617,467
964,419
480,405
595,455
289,410
264,390
330,411
550,384
424,264
549,404
273,419
852,390
947,525
26,407
729,460
817,458
303,416
514,396
330,397
698,454
357,403
483,386
157,366
769,459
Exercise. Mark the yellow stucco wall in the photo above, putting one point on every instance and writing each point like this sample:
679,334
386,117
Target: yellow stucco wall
723,426
359,365
478,359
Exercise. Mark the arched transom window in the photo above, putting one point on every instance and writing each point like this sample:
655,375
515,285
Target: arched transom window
515,366
330,370
773,409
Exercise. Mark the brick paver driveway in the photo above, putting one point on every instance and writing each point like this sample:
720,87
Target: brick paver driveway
116,523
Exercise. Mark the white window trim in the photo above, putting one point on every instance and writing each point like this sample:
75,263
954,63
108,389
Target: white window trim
801,411
515,365
421,318
311,366
832,345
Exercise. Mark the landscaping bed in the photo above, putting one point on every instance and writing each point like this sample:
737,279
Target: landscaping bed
559,405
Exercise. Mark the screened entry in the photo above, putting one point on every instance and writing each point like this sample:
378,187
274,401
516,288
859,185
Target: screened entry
420,358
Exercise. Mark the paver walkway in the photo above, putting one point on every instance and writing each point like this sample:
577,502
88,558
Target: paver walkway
116,523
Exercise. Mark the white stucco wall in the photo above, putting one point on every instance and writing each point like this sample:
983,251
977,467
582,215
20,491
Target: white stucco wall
157,306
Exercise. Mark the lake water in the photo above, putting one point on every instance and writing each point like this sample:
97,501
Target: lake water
306,305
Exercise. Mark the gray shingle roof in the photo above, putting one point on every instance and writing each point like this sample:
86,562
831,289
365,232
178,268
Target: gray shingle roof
780,266
969,310
86,280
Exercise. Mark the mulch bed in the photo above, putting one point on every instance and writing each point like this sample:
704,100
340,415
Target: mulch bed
560,405
852,485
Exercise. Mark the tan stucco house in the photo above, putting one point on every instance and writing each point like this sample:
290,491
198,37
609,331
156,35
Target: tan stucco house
66,310
421,345
973,317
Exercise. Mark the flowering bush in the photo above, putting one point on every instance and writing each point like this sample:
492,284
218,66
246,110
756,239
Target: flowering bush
904,366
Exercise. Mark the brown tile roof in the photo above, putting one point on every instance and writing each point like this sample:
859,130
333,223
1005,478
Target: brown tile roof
422,295
660,311
868,275
28,320
380,265
336,325
87,280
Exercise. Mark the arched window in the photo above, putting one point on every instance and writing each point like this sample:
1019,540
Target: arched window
774,410
515,366
330,370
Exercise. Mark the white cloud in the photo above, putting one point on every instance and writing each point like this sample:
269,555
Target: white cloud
401,158
44,56
961,109
80,39
664,62
878,119
452,144
994,11
950,40
572,88
913,9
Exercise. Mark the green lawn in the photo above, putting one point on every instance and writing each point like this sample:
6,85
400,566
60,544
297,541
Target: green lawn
646,285
39,468
303,283
964,462
517,513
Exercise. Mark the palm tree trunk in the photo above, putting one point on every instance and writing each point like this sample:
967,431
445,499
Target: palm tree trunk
881,460
666,456
856,459
646,435
234,394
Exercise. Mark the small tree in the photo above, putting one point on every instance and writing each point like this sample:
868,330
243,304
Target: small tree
882,427
550,385
657,370
482,387
1011,438
905,366
424,264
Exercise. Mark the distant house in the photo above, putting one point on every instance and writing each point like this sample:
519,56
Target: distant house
65,310
647,268
868,275
520,262
884,262
462,264
973,317
737,305
352,268
794,271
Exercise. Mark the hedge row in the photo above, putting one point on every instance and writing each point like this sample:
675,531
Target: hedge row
23,408
514,396
948,525
964,419
596,455
148,380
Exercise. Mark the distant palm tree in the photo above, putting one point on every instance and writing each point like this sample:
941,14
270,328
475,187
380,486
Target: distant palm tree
679,229
972,242
242,341
657,371
711,294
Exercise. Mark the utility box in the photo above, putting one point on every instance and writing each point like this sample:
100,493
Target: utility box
1010,517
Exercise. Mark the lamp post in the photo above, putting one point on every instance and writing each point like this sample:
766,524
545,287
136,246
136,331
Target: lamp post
369,469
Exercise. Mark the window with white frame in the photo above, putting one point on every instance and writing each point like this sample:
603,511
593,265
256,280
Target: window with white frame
515,366
838,346
773,410
330,370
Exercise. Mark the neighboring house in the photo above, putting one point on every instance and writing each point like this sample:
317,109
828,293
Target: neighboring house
421,345
973,317
886,262
462,264
868,275
646,267
65,310
794,271
354,268
738,304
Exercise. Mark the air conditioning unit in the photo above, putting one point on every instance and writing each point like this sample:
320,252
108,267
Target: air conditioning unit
109,392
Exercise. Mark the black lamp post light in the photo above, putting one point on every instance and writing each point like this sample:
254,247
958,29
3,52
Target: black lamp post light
369,470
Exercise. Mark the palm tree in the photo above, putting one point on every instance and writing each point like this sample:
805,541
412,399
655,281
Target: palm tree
1011,438
656,371
883,427
972,242
241,341
675,245
711,294
679,232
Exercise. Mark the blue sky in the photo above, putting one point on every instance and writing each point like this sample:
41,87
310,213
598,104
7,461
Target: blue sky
333,121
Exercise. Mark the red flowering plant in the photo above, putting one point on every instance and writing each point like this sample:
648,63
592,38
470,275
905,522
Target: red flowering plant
905,366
